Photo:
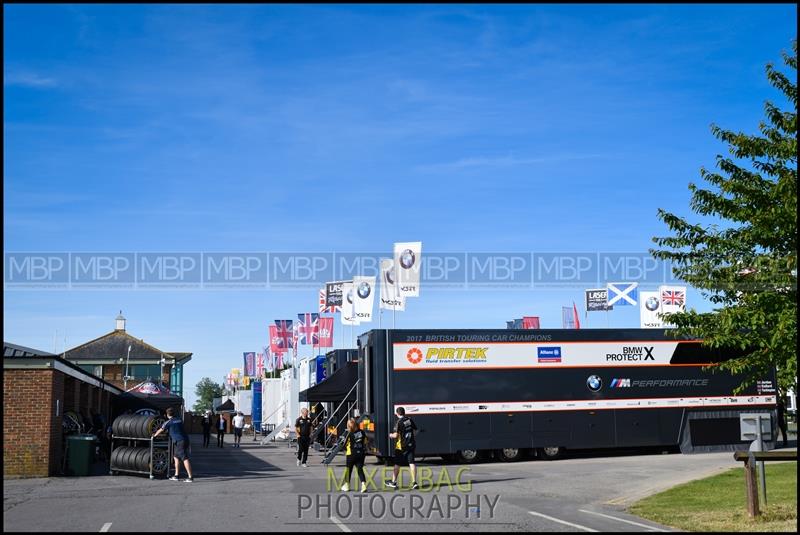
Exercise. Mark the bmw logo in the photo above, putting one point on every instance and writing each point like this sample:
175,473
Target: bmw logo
407,259
594,383
350,296
363,290
651,304
388,275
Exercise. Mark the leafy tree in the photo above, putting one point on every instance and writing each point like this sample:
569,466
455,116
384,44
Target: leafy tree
206,390
746,264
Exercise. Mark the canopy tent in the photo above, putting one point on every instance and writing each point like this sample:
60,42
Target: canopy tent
336,387
228,406
150,395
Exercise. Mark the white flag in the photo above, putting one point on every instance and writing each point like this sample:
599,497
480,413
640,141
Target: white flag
363,298
650,311
390,299
408,258
348,314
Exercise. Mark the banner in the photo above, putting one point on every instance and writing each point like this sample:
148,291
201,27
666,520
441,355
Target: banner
326,332
363,298
308,328
278,361
333,294
277,344
408,258
649,311
269,363
321,372
256,408
390,297
324,308
567,318
623,293
530,322
249,364
348,314
597,300
577,318
673,299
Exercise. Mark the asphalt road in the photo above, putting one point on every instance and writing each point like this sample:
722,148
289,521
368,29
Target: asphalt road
259,488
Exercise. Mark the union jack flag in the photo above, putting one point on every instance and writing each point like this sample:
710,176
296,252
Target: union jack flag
323,307
284,332
673,297
308,328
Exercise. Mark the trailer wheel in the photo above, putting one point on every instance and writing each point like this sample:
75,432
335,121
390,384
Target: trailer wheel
509,455
551,453
467,456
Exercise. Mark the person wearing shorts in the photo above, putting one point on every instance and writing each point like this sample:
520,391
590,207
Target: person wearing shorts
180,444
238,428
404,446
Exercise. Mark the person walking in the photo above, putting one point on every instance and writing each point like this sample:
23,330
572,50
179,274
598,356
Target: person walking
220,430
238,428
302,427
180,444
207,428
355,451
404,446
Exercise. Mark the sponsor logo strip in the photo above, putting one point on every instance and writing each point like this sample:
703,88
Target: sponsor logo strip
580,405
430,356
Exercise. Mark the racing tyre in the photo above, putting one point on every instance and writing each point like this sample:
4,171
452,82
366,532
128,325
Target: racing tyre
160,461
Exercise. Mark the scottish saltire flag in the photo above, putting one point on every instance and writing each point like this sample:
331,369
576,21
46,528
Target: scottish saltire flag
325,332
249,363
324,308
623,293
308,328
284,332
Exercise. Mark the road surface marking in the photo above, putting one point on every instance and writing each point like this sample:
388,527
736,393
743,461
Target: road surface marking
584,528
651,528
341,526
105,527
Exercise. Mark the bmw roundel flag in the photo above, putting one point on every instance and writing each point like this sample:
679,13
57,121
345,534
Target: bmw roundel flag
623,293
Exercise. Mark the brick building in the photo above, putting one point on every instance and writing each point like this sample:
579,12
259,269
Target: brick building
110,355
38,389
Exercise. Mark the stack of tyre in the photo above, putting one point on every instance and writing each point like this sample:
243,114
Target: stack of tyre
138,459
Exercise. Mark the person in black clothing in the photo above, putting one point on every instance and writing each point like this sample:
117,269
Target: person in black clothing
404,447
206,428
782,418
355,450
303,429
220,430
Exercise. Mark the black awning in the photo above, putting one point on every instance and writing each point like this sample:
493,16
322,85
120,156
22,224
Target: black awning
336,387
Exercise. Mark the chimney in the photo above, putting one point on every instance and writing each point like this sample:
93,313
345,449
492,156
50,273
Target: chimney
120,322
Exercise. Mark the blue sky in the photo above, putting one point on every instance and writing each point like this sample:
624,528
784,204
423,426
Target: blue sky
347,128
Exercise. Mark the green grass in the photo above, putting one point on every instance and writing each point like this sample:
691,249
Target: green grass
719,503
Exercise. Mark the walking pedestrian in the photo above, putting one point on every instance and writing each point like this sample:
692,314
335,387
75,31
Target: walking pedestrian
207,428
238,428
404,446
180,444
355,451
302,427
220,431
782,419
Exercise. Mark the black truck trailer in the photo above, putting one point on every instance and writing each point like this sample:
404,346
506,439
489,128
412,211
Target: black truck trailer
512,392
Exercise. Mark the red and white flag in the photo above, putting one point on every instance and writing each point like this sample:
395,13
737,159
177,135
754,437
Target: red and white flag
325,332
530,322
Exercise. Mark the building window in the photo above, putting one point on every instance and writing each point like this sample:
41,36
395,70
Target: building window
145,371
94,369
